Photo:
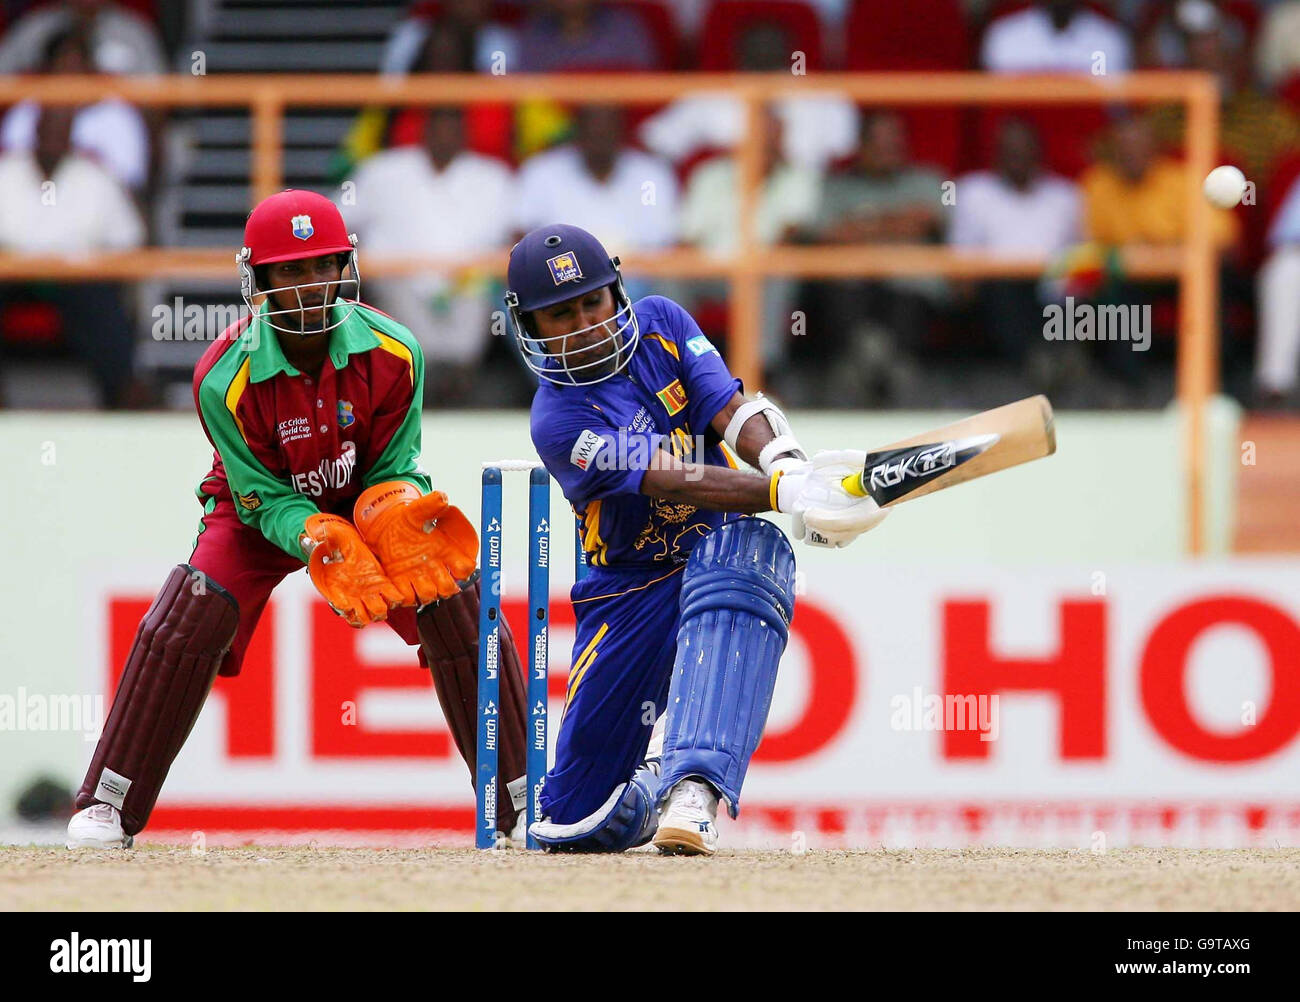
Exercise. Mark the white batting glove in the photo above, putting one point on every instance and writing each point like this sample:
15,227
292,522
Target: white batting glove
822,512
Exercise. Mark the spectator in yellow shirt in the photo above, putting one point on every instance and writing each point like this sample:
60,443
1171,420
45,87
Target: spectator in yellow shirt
1139,197
1136,196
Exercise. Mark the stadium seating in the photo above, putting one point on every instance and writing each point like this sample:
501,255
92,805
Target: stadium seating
725,19
921,35
918,35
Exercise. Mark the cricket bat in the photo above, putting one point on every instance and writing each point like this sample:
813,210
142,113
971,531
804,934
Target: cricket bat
985,443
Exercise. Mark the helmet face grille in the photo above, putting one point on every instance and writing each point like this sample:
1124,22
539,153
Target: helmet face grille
554,359
280,319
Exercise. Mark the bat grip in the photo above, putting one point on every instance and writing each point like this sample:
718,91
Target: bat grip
853,484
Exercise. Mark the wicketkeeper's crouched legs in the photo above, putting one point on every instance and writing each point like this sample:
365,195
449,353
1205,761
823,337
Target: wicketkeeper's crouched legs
178,648
449,641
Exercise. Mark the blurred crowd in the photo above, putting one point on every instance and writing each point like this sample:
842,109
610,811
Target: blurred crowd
1073,184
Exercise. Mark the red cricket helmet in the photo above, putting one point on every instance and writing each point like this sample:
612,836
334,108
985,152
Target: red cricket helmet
295,224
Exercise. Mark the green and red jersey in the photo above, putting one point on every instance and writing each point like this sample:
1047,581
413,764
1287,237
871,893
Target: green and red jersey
289,446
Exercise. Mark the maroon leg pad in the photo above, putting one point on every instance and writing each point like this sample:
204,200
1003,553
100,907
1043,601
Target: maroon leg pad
449,635
177,651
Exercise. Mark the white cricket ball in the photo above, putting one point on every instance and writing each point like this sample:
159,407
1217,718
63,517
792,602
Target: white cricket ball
1224,186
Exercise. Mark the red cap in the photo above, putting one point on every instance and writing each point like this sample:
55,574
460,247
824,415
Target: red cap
294,224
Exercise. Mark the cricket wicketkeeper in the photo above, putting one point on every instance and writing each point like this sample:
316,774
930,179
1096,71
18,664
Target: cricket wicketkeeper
312,404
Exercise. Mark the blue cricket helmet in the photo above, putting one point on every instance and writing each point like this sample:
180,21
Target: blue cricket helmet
558,262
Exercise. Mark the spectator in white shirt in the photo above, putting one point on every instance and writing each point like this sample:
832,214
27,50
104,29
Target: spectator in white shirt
627,198
57,201
121,41
111,131
1277,362
711,205
1015,209
1056,36
1277,53
787,201
816,130
437,199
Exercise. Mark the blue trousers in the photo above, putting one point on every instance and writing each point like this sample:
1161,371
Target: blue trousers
623,653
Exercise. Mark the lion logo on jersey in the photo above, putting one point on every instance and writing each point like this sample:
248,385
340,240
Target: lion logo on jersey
667,529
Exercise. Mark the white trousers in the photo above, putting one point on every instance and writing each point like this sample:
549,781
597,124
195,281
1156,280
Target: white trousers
1278,352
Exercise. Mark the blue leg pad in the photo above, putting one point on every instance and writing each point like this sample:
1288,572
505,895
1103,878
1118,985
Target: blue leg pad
626,820
736,602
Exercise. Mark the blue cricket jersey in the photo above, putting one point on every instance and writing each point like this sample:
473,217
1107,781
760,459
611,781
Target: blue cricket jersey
599,440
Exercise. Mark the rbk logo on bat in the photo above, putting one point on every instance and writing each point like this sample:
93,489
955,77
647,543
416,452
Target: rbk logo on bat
917,464
890,475
673,397
564,268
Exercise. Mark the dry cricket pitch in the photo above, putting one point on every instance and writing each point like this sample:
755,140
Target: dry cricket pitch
288,878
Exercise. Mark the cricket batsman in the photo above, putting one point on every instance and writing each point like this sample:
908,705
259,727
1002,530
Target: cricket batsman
312,405
686,609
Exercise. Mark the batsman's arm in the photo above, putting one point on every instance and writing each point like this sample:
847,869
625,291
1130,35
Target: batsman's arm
717,488
758,432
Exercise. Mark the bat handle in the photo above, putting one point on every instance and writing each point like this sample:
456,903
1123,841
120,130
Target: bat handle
853,484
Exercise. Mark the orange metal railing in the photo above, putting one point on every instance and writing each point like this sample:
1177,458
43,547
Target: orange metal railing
268,96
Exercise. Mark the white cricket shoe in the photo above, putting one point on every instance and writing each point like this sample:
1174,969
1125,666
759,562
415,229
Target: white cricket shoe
99,826
518,837
686,824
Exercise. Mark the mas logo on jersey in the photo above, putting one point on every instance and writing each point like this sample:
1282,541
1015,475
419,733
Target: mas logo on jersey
585,449
673,397
302,227
345,415
250,501
564,268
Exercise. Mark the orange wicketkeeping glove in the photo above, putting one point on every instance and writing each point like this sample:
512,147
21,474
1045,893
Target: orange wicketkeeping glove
347,573
425,544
